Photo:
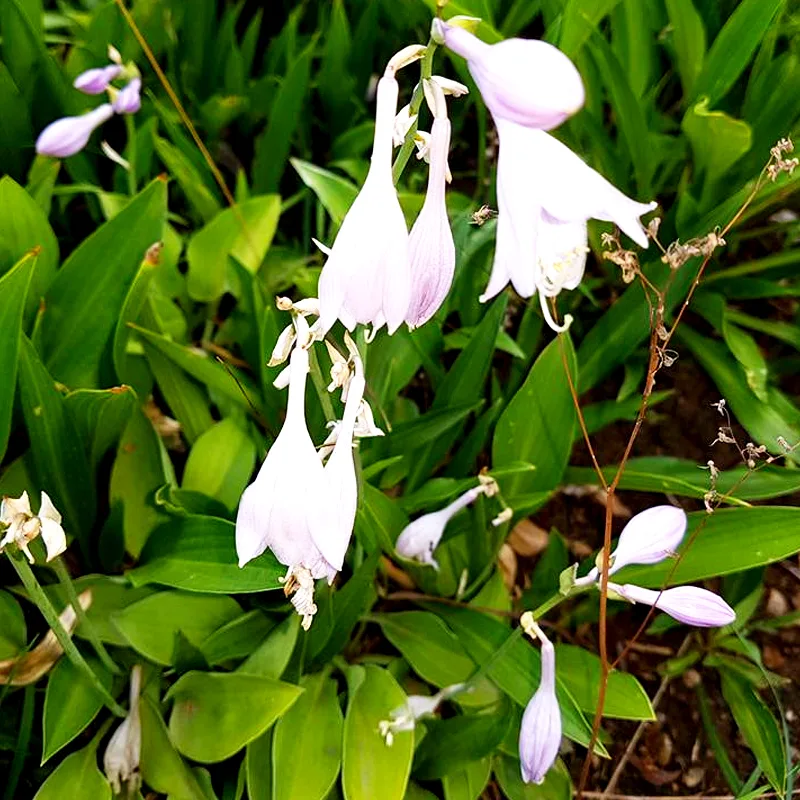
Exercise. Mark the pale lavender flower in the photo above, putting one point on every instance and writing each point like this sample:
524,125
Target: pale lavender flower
540,732
366,278
545,195
96,81
128,100
284,508
69,135
431,248
420,538
688,604
524,81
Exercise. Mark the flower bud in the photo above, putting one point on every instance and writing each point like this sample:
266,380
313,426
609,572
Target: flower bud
69,135
649,537
129,100
122,756
688,604
96,81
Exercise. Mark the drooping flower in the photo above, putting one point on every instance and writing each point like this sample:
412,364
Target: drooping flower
284,508
431,248
124,750
525,81
419,539
545,196
688,604
540,731
69,135
128,100
366,277
415,708
96,81
23,526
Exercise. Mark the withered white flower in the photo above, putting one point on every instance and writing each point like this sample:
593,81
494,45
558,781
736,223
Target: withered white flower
124,750
23,526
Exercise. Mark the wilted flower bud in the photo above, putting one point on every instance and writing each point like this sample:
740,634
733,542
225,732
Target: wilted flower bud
688,604
23,526
69,135
122,756
96,81
416,707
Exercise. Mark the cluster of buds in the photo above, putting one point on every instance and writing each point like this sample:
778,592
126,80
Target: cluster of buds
677,254
69,135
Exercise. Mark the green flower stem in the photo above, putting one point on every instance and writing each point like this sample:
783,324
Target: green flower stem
426,70
320,385
549,604
38,596
83,620
130,128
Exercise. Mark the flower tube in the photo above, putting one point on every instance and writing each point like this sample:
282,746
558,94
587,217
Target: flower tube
69,135
96,81
690,605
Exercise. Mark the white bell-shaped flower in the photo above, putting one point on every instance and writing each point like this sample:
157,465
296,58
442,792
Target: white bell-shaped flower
420,538
431,248
545,196
284,508
525,81
366,277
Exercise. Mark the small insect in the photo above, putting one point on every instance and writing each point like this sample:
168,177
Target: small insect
482,215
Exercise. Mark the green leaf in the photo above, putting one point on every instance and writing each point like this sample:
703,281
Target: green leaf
274,145
13,290
141,467
334,192
453,743
556,786
271,657
423,430
296,745
200,197
734,46
100,416
70,704
16,130
468,782
579,670
370,768
580,18
24,227
198,554
773,533
688,37
216,714
150,625
60,463
203,368
538,425
237,638
243,232
434,653
758,727
87,295
221,462
76,776
13,631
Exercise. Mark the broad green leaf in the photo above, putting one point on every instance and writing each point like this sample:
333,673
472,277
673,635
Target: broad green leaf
200,197
162,767
516,669
24,227
13,631
734,46
306,757
580,18
758,727
718,140
434,653
76,776
423,430
216,714
203,368
771,532
670,475
60,463
453,743
70,704
370,768
86,297
100,417
243,232
598,415
13,290
221,462
139,469
150,625
538,425
258,766
379,520
556,786
334,192
198,554
16,129
579,670
271,657
468,782
238,638
688,37
273,146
